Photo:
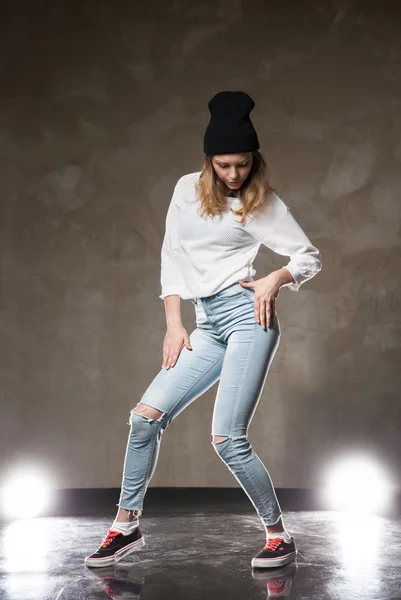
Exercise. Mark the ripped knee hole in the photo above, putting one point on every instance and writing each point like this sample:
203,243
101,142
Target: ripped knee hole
217,439
148,411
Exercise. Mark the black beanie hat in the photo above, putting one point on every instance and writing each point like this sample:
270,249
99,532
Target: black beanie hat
230,129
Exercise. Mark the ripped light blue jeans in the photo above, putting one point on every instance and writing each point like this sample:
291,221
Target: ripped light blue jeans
228,345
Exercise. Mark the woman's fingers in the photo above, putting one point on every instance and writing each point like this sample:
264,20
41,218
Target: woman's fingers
174,341
166,357
272,312
264,311
262,314
170,357
266,314
173,358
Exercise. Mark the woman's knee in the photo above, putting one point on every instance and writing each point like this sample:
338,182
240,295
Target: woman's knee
232,447
219,442
144,421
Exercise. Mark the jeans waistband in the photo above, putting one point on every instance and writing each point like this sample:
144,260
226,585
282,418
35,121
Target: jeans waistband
227,291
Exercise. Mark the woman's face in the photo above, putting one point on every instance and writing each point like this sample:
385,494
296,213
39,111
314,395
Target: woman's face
233,169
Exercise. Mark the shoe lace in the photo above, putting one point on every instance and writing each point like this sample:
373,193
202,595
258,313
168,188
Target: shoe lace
275,586
109,538
273,543
109,591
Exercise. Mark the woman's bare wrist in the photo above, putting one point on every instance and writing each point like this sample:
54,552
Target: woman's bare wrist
284,276
172,305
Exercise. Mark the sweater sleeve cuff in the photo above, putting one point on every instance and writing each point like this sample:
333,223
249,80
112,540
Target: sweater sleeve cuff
295,285
169,291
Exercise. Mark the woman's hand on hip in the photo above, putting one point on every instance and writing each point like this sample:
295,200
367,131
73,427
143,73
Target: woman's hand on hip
175,339
266,291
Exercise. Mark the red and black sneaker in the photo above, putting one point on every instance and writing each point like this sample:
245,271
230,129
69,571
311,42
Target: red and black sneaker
115,547
276,553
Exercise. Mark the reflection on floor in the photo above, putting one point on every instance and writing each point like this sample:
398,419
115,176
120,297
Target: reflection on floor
203,556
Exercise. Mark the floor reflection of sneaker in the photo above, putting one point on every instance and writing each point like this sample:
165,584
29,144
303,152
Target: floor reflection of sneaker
278,581
115,547
121,583
276,553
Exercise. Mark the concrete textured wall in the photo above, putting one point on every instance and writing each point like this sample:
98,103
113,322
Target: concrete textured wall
103,108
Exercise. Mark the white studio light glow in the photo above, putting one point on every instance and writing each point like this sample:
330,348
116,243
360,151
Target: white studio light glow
25,495
18,557
358,484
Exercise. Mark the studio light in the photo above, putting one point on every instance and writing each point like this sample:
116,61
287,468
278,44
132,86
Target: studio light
24,495
358,484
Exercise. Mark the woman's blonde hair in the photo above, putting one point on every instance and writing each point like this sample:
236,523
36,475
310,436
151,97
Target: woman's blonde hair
253,193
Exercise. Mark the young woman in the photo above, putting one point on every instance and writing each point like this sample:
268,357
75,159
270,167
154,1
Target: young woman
215,224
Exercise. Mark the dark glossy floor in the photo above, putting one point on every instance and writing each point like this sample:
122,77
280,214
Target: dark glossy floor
205,556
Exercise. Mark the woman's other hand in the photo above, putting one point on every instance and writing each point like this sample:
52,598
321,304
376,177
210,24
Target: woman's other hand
266,292
175,339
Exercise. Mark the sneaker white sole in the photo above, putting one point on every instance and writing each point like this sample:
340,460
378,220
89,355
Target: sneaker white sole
274,562
281,573
117,557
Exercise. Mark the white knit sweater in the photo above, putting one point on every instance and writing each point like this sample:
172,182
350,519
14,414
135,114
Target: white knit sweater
202,255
